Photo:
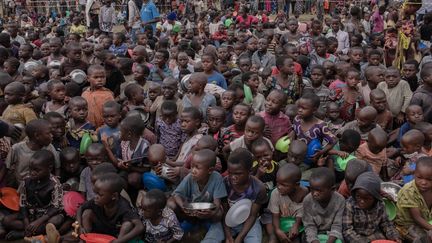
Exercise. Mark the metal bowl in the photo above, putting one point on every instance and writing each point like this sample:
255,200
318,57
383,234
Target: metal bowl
391,189
30,65
78,76
200,206
184,83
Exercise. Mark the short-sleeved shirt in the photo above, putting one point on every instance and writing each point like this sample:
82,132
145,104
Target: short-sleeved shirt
410,197
279,125
86,184
170,135
168,228
214,189
207,101
317,131
110,225
256,192
18,114
240,143
218,79
149,12
95,100
284,206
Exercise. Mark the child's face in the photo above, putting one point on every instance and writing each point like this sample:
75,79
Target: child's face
292,52
24,52
352,79
160,60
215,120
55,47
364,199
262,45
409,70
253,131
320,192
79,111
253,83
377,77
103,194
188,124
94,159
11,96
200,170
7,67
58,92
223,53
392,78
142,40
168,117
379,103
263,154
208,63
273,103
154,92
288,67
87,48
169,90
240,115
295,155
237,174
285,186
111,116
423,178
414,114
227,100
139,74
58,127
44,136
150,209
74,55
37,170
45,49
409,148
374,60
305,108
317,77
182,60
97,79
195,85
138,55
356,56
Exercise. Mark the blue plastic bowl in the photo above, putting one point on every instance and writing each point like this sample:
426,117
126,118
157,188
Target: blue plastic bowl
152,181
313,146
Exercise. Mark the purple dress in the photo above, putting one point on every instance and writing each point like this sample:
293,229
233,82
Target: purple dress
318,131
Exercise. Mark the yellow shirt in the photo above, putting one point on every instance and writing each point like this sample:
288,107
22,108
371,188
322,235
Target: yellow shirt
19,113
80,29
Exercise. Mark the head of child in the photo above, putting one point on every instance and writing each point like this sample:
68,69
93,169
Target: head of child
107,189
182,60
296,152
169,88
96,76
56,91
87,48
356,42
414,114
153,203
70,160
197,83
202,165
377,140
356,55
169,112
291,51
392,77
291,111
38,132
412,142
321,44
426,129
426,76
254,129
55,45
78,109
11,65
244,63
262,152
239,167
131,128
209,62
111,113
190,119
285,65
333,112
366,118
14,93
374,75
40,72
349,141
241,113
423,174
154,91
206,142
288,179
275,102
228,99
366,190
134,94
378,100
118,38
374,58
354,168
139,54
141,73
161,57
73,52
216,119
25,51
251,79
352,78
156,154
58,125
307,105
322,184
95,155
318,75
410,69
41,165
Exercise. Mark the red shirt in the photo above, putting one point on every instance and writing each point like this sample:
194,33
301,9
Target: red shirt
279,125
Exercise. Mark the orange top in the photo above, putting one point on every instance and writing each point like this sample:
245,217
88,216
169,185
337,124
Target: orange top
96,99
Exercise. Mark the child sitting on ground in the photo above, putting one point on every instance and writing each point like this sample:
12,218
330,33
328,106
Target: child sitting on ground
323,207
57,93
414,115
365,218
334,122
97,94
168,128
70,168
240,185
41,199
365,122
58,129
160,222
94,156
411,143
109,133
413,212
287,201
353,169
109,213
78,125
240,114
374,150
16,111
197,97
202,185
378,100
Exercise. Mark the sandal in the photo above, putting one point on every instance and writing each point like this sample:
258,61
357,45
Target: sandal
53,236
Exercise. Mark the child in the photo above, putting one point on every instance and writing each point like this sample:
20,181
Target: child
412,206
160,69
72,61
182,64
58,129
374,150
422,96
70,169
202,185
39,136
373,75
240,185
263,167
334,122
107,17
241,112
95,155
365,122
16,111
411,143
197,97
317,87
11,66
169,92
426,129
409,73
365,218
97,94
347,145
41,199
119,47
168,128
109,133
354,168
134,94
215,121
398,93
323,207
350,99
378,100
228,100
251,80
320,54
56,91
78,125
109,213
160,222
414,115
88,53
209,66
287,200
307,127
276,121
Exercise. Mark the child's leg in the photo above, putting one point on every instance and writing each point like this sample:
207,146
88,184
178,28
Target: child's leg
215,234
125,228
254,234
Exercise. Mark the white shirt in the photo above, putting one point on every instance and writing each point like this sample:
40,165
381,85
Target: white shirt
343,40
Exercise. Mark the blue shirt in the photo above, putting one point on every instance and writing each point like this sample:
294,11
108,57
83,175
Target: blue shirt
149,12
218,79
118,51
154,75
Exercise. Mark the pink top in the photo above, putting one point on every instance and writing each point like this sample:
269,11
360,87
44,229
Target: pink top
279,125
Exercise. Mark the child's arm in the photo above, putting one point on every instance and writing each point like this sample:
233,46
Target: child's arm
227,230
311,230
282,237
418,219
349,233
336,228
250,221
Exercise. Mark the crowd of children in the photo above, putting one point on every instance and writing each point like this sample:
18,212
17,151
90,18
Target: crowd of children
302,120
